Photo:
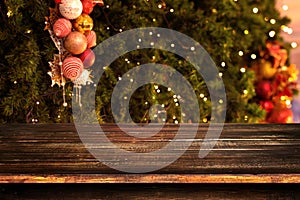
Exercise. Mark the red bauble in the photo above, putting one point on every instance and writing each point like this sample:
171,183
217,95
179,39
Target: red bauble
267,105
91,39
281,116
57,1
87,6
72,67
264,90
62,27
75,43
88,58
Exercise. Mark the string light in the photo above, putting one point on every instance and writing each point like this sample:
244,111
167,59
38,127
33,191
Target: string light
272,34
294,45
243,69
9,13
285,7
241,53
255,10
273,21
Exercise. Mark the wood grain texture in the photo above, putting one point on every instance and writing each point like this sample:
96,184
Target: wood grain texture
244,154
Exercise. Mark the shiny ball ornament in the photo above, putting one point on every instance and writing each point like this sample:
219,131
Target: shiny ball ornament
70,9
75,43
88,58
267,105
72,68
91,39
264,90
280,115
87,6
266,70
62,27
83,23
57,1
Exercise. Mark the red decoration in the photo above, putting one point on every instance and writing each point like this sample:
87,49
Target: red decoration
267,105
280,114
99,2
87,6
91,39
75,43
88,58
57,1
72,67
279,55
264,90
62,27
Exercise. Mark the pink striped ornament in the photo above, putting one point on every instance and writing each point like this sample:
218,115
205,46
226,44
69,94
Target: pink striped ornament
72,67
62,27
91,39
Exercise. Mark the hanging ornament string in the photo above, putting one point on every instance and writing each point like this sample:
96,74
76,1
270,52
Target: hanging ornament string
70,28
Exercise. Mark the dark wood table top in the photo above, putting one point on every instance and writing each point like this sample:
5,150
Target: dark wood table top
244,153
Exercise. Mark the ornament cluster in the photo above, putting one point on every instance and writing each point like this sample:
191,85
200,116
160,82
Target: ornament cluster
276,83
71,29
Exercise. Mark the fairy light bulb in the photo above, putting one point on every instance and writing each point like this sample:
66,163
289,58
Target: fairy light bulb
272,34
285,7
294,45
273,21
243,69
255,10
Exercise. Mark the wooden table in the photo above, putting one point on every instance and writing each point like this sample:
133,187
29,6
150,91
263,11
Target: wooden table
248,161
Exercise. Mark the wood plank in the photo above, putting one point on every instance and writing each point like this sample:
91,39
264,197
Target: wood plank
259,153
153,178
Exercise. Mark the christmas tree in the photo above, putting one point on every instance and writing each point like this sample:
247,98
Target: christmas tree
234,33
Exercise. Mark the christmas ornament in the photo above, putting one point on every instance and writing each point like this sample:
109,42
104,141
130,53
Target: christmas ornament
84,78
87,6
267,105
278,54
88,58
70,9
57,1
99,2
75,43
280,114
62,27
72,67
266,70
83,23
91,39
263,89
